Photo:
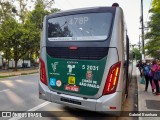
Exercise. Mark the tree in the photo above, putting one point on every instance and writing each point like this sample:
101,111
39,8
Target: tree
20,38
35,18
6,11
22,11
137,53
154,34
6,17
15,37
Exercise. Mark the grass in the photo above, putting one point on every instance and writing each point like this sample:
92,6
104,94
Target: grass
28,73
7,76
17,75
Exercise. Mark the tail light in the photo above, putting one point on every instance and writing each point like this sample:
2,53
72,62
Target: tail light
73,47
43,76
112,79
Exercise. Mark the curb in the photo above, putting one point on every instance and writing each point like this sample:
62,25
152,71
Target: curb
139,98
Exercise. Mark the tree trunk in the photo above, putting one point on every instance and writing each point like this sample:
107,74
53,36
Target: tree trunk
15,58
16,61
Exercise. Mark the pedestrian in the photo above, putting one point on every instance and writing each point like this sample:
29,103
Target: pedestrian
159,70
146,72
154,68
140,67
158,65
153,86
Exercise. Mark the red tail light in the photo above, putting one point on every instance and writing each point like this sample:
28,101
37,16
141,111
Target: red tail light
43,76
112,79
73,47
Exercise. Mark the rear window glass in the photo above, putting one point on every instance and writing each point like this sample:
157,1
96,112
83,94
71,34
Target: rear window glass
80,27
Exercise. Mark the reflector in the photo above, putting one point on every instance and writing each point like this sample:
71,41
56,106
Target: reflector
43,76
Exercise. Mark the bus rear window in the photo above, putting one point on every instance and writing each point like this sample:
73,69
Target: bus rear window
80,27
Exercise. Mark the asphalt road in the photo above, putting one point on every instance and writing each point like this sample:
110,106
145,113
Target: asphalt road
21,94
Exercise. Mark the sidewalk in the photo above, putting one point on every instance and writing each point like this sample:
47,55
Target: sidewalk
147,101
9,73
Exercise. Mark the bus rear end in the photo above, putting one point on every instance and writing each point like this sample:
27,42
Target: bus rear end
78,66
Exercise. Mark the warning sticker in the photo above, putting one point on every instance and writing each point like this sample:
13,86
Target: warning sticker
72,88
71,80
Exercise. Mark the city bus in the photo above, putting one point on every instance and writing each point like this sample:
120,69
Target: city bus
84,59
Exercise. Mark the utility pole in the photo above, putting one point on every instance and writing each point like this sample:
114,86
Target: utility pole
142,25
139,43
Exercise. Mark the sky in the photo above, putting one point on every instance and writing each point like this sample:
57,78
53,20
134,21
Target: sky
131,10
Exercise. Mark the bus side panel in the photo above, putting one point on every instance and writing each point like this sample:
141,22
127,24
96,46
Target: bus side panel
117,41
112,58
120,47
105,102
43,35
43,89
115,54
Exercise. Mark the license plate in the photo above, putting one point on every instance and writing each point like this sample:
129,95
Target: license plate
72,88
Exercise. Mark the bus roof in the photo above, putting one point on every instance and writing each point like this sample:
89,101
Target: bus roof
83,10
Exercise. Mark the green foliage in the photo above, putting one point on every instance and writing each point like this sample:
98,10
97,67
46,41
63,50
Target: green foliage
5,11
35,18
154,34
156,5
55,10
21,38
137,53
7,31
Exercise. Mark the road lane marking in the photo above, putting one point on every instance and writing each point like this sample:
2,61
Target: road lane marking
39,106
4,90
32,109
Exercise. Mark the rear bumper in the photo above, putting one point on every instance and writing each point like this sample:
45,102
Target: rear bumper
101,104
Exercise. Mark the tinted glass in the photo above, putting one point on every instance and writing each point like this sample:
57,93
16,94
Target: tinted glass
80,27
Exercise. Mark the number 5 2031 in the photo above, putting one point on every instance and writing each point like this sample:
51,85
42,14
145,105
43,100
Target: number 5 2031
90,67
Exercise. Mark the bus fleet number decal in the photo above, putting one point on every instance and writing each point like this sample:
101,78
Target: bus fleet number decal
78,20
90,67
